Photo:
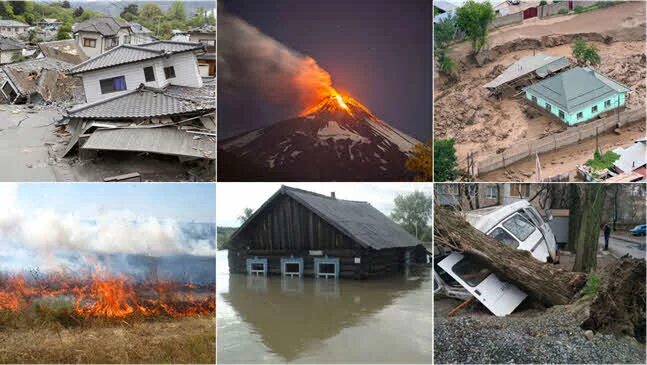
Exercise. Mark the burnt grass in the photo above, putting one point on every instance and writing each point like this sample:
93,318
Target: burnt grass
605,324
56,334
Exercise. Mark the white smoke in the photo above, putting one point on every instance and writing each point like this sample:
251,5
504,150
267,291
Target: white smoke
45,231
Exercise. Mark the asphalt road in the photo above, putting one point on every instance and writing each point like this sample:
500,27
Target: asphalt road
622,245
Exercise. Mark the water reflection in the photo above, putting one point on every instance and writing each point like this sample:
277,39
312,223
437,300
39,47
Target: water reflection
274,319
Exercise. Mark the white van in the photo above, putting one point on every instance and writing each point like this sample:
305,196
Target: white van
517,225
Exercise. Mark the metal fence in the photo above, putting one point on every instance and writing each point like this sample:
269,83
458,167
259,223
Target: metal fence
494,161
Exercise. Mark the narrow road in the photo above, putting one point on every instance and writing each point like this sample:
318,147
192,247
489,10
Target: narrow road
622,245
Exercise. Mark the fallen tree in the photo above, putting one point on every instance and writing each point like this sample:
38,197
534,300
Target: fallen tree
542,281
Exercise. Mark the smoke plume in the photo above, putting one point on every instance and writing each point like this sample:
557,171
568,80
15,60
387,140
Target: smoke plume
250,62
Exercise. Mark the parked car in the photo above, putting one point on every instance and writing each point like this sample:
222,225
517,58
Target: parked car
518,225
639,230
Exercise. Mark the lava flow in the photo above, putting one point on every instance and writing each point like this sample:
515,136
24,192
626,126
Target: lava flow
108,296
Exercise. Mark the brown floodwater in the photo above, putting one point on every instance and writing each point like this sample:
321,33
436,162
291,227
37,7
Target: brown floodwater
278,320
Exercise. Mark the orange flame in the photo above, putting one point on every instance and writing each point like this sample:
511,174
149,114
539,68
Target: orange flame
109,296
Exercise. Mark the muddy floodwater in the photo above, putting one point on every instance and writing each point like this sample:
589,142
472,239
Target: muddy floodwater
278,320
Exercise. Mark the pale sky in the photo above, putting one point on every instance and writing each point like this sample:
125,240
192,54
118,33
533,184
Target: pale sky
233,198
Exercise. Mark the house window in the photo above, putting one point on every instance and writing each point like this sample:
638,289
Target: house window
149,74
520,190
292,266
256,266
89,42
561,114
326,267
594,109
169,72
491,192
548,106
112,85
534,99
607,103
580,115
111,43
208,42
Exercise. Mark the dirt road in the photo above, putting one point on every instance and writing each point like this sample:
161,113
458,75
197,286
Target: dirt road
622,22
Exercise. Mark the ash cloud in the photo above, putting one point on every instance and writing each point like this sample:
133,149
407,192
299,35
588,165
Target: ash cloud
254,68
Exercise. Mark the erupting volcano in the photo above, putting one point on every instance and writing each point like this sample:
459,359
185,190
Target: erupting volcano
337,138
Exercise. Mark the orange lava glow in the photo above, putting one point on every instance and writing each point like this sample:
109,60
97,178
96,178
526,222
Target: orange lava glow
108,296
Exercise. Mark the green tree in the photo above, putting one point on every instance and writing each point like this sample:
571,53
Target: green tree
421,161
444,33
585,53
78,12
18,7
592,198
247,212
87,14
176,11
542,3
6,10
130,12
150,14
446,65
474,18
66,4
413,213
445,160
64,32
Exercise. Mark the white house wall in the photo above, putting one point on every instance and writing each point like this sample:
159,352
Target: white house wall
186,74
91,52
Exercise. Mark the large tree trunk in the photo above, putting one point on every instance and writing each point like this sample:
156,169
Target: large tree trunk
588,229
574,215
542,281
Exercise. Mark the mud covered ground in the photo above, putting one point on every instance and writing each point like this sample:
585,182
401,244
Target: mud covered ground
187,340
464,111
606,326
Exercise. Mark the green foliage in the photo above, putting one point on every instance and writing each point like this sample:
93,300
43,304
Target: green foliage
130,12
78,11
579,9
444,33
592,285
447,65
247,212
562,11
445,160
64,32
176,11
413,213
474,19
601,162
224,235
585,53
543,2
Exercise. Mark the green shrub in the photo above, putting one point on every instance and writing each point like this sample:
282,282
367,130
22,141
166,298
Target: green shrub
579,9
601,162
592,285
543,2
563,11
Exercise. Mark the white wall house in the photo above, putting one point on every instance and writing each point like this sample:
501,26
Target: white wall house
98,35
12,28
10,50
157,64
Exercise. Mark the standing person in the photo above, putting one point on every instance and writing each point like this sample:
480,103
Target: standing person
607,234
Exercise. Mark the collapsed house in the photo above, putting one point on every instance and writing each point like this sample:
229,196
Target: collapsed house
206,35
42,80
577,95
524,71
146,98
66,50
10,50
299,233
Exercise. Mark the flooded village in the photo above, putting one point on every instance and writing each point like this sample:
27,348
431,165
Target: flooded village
306,274
107,99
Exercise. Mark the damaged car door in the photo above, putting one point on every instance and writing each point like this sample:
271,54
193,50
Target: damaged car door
499,297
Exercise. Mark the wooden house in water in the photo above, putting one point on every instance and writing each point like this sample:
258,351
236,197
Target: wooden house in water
300,233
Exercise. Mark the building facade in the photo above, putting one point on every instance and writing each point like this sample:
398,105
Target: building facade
12,28
98,35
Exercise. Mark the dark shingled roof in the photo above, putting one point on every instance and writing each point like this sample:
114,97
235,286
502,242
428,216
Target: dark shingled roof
143,102
576,89
358,220
126,53
105,25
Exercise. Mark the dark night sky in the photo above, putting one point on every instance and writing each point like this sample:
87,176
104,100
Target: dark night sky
379,51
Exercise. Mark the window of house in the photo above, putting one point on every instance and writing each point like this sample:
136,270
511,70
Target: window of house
149,74
208,42
113,84
561,114
580,115
111,42
607,103
534,99
169,72
89,42
491,192
594,109
520,190
548,106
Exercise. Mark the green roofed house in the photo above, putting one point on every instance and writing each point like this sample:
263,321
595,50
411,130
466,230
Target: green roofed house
577,95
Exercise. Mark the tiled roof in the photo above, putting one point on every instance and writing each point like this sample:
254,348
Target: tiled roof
576,88
12,23
140,103
8,44
126,53
106,26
